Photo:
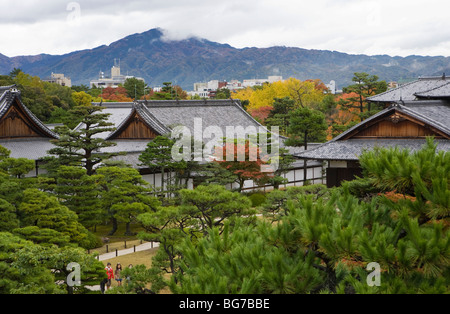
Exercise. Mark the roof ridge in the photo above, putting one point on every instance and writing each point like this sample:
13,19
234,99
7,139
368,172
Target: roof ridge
143,110
188,102
432,89
10,97
7,88
39,122
439,125
392,90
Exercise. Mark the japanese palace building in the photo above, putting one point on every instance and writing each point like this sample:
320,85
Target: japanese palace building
21,131
414,111
136,124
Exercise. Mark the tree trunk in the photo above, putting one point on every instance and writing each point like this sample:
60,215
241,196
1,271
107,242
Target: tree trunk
163,170
128,229
305,162
241,185
361,107
114,226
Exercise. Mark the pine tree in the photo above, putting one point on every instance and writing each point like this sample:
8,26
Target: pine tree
8,217
123,195
158,156
82,146
23,275
199,211
79,193
365,86
40,210
330,241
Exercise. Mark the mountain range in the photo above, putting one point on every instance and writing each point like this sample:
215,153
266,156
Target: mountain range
184,62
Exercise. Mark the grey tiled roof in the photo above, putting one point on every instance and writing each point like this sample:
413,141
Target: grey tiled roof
163,116
151,120
220,113
34,149
128,146
8,96
408,91
350,150
31,148
437,92
433,113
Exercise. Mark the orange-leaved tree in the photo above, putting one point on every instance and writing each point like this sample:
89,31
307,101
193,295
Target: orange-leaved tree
245,160
343,118
118,94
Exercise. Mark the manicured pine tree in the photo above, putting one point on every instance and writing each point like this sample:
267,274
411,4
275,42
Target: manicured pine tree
79,192
335,239
306,125
123,195
8,217
15,167
199,210
158,156
365,85
40,210
23,274
82,145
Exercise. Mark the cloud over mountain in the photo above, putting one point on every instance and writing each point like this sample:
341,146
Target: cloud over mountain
158,57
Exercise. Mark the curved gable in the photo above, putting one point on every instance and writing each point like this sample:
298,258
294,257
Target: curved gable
395,124
134,127
17,122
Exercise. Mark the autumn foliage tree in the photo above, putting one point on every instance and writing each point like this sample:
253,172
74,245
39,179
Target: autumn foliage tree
119,94
342,118
364,86
307,93
260,114
243,159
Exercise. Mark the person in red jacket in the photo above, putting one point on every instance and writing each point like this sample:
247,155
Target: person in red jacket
110,274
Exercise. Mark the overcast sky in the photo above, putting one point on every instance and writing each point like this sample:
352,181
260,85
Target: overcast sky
393,27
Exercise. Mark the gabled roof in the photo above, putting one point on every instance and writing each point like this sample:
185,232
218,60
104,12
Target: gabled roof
438,92
34,148
217,113
10,97
409,91
434,114
121,113
352,149
162,116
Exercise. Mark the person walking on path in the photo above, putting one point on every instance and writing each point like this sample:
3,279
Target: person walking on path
110,274
118,275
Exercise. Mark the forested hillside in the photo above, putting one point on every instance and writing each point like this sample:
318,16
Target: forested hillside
151,56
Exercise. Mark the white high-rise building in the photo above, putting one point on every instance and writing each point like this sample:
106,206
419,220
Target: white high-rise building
114,80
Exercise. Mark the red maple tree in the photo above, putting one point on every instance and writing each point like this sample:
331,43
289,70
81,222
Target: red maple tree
244,160
118,94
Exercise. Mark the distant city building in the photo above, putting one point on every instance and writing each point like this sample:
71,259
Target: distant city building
209,89
60,79
260,82
114,80
332,87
